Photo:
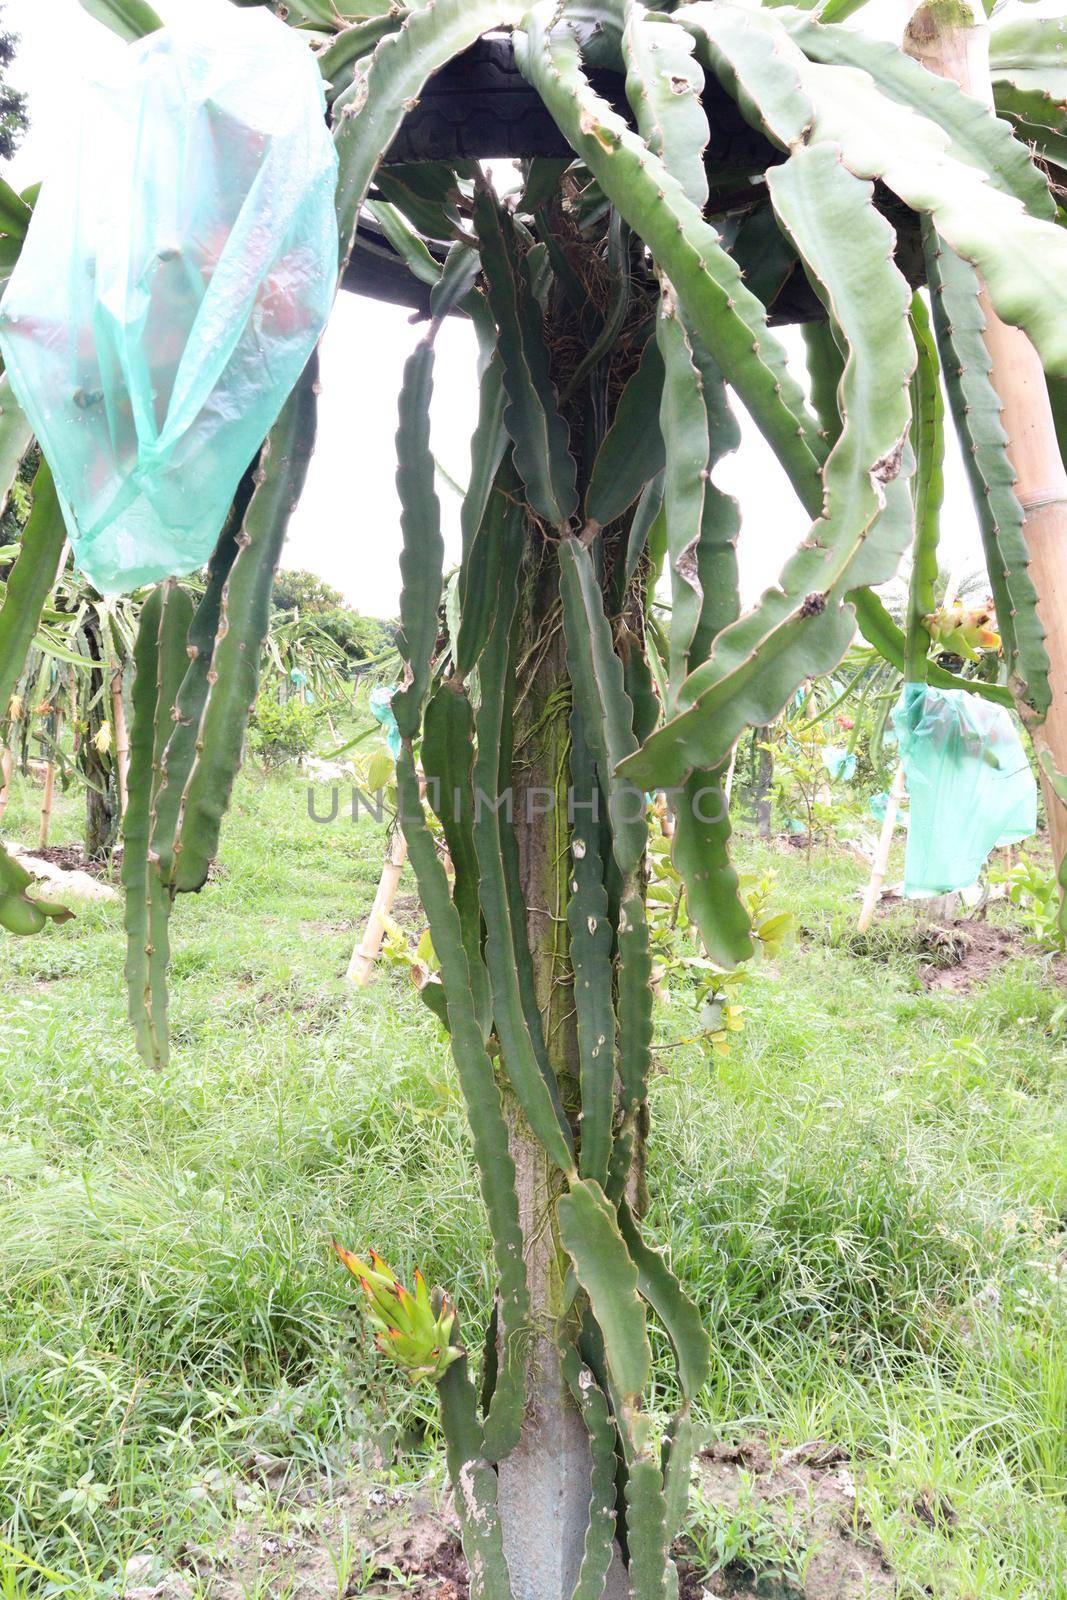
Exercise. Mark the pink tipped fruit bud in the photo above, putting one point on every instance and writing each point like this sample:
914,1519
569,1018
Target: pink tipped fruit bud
406,1326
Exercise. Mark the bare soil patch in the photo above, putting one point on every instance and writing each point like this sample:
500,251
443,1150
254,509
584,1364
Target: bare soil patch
809,1492
407,910
965,954
369,1540
386,1542
956,955
72,858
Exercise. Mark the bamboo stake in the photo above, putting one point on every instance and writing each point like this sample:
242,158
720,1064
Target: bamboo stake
49,782
46,804
764,781
122,739
961,52
728,786
662,812
7,767
369,947
881,859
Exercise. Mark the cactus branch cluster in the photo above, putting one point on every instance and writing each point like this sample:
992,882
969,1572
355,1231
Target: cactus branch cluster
616,303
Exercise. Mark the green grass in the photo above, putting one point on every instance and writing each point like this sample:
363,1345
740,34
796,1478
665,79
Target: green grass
867,1198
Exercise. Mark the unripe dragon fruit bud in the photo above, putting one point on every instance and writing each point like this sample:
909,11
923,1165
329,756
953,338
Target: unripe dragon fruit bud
415,1329
963,632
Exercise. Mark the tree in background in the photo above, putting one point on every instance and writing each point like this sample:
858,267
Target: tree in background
13,117
304,591
360,638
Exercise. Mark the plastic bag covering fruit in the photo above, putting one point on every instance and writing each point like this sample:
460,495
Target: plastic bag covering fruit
178,271
382,711
969,784
839,762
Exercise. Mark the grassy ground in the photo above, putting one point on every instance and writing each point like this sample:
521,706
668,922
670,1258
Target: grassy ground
866,1197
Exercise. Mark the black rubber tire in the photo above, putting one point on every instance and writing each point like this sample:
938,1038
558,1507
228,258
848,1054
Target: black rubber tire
377,272
480,107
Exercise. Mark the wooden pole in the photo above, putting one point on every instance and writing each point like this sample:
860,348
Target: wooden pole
662,812
764,778
728,786
7,767
961,52
47,798
367,950
45,805
369,947
122,739
881,859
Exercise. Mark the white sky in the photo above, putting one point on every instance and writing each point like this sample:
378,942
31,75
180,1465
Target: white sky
346,527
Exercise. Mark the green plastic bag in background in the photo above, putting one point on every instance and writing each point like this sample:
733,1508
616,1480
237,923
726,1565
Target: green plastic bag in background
178,271
970,785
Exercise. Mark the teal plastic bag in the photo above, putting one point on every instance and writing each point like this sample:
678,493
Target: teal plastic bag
878,804
839,762
969,784
381,709
178,271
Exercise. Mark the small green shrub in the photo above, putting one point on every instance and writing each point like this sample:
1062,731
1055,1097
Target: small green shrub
282,731
1033,892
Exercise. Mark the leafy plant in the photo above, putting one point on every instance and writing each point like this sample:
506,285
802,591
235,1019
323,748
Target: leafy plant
360,638
304,597
678,964
745,1539
808,791
283,731
85,1497
13,115
1034,892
